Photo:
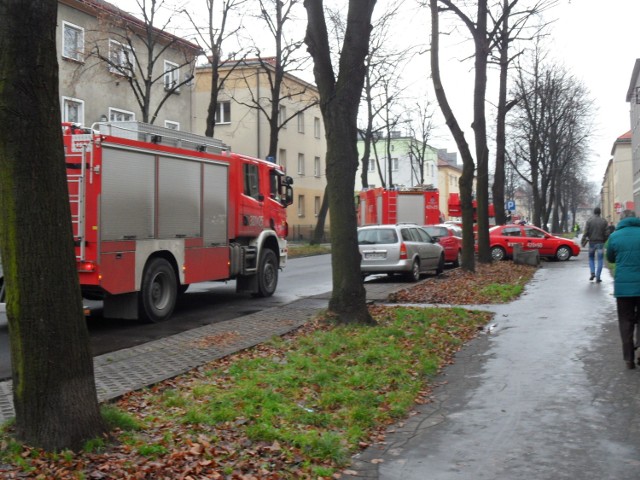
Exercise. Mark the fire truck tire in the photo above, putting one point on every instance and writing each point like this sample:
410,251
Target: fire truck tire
159,291
267,274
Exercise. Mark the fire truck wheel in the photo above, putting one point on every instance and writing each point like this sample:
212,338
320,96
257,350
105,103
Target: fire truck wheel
267,274
159,291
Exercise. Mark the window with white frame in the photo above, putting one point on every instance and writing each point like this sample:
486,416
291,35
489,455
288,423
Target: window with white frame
172,125
316,167
394,164
72,110
223,113
372,165
316,205
301,205
301,164
282,158
117,115
121,58
72,41
282,116
316,127
171,75
300,122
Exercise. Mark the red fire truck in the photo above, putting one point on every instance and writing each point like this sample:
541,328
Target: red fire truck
418,205
154,210
455,208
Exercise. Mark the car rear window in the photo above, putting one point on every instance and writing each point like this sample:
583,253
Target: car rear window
375,236
436,231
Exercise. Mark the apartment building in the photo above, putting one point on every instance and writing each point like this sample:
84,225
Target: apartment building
101,48
617,188
449,173
245,128
409,165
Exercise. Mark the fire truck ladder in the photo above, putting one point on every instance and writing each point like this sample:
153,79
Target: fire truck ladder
392,207
77,201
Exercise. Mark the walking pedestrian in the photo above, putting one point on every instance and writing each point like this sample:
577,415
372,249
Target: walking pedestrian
596,232
624,250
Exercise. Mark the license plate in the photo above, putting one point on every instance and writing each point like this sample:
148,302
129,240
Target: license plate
375,255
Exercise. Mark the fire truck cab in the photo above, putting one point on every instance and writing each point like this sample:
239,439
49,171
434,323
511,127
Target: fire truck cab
155,210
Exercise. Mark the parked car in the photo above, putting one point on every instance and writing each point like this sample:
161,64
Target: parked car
450,237
502,238
402,248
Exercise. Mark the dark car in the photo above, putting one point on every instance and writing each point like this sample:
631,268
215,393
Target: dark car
450,237
502,238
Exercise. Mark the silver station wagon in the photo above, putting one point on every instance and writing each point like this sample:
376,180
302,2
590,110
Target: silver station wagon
403,248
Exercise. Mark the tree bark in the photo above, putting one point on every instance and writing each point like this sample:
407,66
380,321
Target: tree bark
468,166
339,102
54,392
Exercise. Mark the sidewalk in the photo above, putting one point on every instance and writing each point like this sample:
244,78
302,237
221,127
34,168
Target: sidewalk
544,396
134,368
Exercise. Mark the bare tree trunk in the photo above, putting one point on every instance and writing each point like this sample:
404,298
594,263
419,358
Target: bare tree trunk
52,369
339,101
468,167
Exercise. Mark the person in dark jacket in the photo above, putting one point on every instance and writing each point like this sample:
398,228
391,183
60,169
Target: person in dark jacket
596,231
623,249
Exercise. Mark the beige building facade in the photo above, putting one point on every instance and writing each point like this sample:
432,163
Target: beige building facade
449,174
617,185
92,90
301,140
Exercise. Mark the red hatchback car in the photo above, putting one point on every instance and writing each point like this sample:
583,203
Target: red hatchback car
450,237
502,238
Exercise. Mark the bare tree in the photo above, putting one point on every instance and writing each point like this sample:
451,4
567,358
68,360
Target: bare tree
54,391
468,162
213,36
339,100
420,128
549,127
511,26
134,49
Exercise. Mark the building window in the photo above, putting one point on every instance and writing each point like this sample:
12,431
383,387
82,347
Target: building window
120,58
171,76
72,110
72,41
223,113
394,164
372,165
282,159
316,127
172,125
301,205
316,205
316,167
117,115
282,116
301,122
301,164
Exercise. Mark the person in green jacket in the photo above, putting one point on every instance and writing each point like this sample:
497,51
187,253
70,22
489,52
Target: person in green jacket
623,249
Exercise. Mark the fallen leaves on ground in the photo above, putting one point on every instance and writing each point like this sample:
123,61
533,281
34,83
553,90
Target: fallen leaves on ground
460,287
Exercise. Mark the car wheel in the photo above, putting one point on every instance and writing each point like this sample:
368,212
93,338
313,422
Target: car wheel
267,274
440,267
498,253
414,274
159,291
563,254
458,260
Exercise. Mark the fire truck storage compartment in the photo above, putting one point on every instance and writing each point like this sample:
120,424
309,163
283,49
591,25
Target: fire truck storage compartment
411,208
131,204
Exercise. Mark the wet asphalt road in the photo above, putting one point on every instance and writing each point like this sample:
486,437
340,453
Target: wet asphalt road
544,396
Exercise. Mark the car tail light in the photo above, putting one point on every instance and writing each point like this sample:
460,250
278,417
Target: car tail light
403,251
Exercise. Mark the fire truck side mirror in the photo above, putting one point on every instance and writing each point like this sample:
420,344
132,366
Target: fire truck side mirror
287,198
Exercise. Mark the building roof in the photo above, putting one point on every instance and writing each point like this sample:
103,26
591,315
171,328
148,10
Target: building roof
624,139
634,80
442,163
101,8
